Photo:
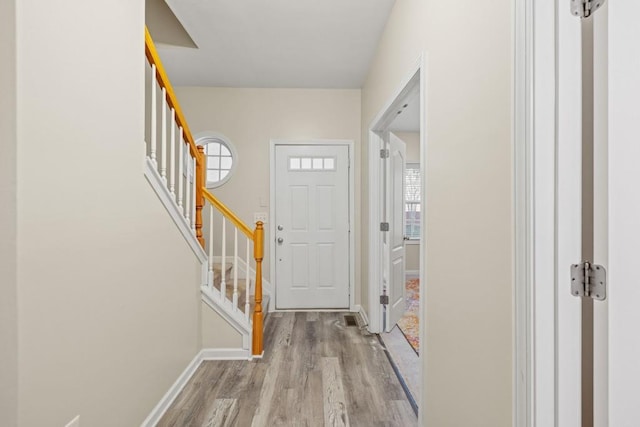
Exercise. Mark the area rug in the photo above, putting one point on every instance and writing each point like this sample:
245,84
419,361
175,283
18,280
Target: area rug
409,323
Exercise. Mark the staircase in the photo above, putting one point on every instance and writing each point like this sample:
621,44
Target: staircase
243,285
231,254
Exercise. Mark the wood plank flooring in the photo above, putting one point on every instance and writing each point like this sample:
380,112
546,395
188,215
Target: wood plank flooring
316,371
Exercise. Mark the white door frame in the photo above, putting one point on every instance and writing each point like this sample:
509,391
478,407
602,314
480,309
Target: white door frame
524,213
535,182
547,153
272,211
415,77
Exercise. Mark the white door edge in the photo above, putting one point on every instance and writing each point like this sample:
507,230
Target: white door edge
396,251
417,75
272,209
523,394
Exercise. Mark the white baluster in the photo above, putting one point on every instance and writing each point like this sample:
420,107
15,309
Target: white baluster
163,139
181,170
235,268
211,247
154,106
172,153
223,285
187,190
193,198
248,279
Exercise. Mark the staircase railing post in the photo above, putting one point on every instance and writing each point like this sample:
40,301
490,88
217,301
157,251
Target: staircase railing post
258,254
200,183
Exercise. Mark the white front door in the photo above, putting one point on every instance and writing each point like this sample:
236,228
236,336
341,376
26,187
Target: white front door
312,226
394,239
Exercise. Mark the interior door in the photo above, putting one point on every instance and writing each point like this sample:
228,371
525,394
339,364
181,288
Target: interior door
624,214
312,226
613,349
568,220
394,238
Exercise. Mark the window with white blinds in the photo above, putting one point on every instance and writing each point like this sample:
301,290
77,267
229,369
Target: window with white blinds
412,194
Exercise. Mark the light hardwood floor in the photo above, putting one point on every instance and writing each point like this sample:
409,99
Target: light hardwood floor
316,371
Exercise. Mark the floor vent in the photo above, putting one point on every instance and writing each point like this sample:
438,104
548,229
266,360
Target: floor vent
350,320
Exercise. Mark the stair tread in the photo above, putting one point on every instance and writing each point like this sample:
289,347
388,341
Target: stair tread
218,266
242,286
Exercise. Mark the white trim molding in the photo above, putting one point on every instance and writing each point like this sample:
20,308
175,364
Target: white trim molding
522,176
235,318
363,314
165,402
415,78
155,180
226,354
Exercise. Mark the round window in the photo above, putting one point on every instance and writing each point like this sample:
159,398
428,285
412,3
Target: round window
222,158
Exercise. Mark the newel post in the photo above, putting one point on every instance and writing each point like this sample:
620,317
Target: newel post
258,254
200,183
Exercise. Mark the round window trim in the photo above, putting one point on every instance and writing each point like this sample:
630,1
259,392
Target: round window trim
206,138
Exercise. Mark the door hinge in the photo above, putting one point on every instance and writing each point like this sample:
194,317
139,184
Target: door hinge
384,226
384,153
589,280
585,8
384,299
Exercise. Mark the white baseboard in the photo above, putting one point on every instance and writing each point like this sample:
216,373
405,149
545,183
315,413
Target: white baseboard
166,401
204,354
412,273
225,354
363,314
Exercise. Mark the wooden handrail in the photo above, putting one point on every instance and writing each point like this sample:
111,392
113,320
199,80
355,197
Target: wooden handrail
196,152
257,236
154,59
228,214
201,193
200,184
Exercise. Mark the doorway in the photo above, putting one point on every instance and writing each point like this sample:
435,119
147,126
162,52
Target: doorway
312,208
396,229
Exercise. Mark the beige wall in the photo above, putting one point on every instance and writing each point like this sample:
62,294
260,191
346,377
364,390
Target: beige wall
412,257
216,333
468,310
163,25
8,218
109,307
412,139
412,250
250,118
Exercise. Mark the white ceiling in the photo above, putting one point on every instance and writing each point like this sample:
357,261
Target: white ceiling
276,43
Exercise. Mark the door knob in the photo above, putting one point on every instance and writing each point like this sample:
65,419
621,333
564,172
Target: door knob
279,228
280,240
